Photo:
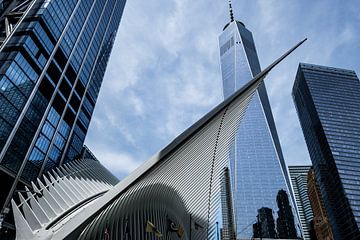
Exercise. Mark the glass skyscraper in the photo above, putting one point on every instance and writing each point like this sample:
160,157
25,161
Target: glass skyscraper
299,176
328,105
53,57
257,168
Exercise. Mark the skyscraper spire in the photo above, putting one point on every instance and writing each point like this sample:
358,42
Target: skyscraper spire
248,179
231,12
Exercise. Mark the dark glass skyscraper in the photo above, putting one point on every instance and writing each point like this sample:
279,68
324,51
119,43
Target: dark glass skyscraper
257,167
328,105
52,60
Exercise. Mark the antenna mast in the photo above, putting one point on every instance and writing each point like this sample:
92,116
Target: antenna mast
231,12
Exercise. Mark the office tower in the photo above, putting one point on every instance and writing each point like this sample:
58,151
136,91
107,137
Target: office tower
53,57
320,221
257,166
228,225
179,185
265,225
299,176
327,101
285,223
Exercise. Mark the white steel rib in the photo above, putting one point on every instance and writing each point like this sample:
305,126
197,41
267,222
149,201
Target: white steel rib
181,182
58,194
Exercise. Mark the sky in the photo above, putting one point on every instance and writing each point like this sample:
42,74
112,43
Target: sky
164,70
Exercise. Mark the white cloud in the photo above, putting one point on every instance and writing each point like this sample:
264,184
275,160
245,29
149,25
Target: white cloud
137,103
164,70
117,162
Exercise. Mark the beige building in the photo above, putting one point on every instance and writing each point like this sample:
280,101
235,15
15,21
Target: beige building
321,223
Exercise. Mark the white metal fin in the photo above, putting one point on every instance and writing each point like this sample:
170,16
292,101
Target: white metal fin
38,211
24,231
30,216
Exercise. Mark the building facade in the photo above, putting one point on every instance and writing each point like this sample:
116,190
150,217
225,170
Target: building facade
53,56
256,162
285,223
328,105
176,194
320,221
299,176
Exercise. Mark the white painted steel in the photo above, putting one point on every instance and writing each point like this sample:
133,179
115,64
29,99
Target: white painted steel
62,190
182,181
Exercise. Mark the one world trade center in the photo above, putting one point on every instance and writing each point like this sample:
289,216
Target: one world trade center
261,203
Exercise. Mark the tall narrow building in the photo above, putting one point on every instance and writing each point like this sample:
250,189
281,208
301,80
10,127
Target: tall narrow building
320,222
327,101
53,56
228,226
299,176
256,164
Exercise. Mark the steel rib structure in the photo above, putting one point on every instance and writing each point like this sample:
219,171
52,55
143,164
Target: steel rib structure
180,184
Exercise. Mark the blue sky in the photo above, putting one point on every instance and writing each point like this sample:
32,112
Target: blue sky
164,71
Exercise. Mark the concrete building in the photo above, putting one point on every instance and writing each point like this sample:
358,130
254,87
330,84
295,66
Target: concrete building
321,223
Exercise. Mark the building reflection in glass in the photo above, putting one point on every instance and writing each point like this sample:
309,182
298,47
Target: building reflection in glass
265,225
285,228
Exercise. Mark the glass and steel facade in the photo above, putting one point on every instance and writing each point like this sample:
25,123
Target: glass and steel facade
299,176
52,64
257,167
176,194
328,105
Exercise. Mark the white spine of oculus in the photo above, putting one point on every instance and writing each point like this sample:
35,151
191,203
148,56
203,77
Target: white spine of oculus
173,195
180,185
